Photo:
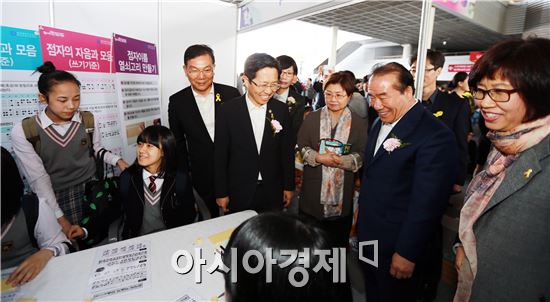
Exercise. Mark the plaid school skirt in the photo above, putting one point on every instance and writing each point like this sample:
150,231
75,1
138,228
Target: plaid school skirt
70,201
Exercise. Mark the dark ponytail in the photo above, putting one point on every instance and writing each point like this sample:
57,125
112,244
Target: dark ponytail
50,77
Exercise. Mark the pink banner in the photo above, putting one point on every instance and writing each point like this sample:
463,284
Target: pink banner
74,51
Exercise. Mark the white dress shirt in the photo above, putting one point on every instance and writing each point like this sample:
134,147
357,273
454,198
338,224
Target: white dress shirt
147,181
282,97
258,119
207,109
32,166
386,129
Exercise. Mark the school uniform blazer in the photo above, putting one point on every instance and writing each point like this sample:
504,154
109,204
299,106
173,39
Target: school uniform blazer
455,113
237,159
513,233
195,147
404,193
177,203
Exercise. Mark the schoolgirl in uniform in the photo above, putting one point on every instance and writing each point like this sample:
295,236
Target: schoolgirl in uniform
154,195
57,161
31,235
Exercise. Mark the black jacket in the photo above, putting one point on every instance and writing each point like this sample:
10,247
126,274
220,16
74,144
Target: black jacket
238,161
177,203
195,147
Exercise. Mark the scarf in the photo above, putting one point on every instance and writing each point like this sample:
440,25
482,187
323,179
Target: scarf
507,147
332,183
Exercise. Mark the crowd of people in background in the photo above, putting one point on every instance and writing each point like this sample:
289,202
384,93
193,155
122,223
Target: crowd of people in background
344,155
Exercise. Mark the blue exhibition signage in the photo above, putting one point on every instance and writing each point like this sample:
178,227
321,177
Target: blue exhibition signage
19,48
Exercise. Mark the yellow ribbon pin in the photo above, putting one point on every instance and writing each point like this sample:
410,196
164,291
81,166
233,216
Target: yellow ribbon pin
218,98
438,114
527,173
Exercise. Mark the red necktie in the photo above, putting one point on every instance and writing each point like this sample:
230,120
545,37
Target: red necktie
152,185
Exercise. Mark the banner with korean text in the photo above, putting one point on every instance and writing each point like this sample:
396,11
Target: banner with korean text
137,85
89,59
20,55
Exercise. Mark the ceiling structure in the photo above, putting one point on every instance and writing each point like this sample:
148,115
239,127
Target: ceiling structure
399,22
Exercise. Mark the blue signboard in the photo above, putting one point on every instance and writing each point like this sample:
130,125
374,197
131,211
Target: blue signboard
19,49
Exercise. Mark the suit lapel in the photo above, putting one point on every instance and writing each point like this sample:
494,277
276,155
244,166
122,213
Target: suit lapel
268,132
516,178
371,141
406,125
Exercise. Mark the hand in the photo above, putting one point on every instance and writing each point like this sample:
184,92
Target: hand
457,188
76,232
122,165
329,159
287,198
401,268
459,257
30,268
65,225
223,203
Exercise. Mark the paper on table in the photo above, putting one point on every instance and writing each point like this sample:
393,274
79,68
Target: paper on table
9,292
190,296
120,269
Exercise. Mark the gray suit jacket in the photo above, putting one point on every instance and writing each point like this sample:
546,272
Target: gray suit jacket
513,234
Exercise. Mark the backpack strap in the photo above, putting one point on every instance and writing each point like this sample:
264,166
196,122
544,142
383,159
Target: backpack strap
30,128
29,203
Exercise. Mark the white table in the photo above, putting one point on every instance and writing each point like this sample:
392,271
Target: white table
66,278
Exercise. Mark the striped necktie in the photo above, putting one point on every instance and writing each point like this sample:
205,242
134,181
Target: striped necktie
152,185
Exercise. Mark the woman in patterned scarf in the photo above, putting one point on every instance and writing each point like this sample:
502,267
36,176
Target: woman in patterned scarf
505,222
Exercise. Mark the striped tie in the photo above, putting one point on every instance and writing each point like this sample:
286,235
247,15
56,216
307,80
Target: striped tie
152,185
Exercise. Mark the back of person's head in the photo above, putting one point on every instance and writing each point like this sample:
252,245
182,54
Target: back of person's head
162,138
198,50
436,58
345,78
50,77
12,187
278,232
457,78
525,63
286,62
403,76
259,61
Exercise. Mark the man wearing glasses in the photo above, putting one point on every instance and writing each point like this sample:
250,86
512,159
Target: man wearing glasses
455,113
253,148
191,114
287,94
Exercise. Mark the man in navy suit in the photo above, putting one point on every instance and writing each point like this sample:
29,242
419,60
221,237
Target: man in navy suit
254,155
410,160
191,114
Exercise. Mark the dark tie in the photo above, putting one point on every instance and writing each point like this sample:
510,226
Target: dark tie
152,185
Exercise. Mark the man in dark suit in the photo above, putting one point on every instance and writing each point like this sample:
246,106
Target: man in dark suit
191,114
287,95
454,112
407,178
254,154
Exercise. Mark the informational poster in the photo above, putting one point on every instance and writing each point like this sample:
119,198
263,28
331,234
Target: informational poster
137,85
20,55
465,8
120,269
89,58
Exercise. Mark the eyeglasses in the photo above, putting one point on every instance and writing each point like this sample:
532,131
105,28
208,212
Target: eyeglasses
337,96
194,72
497,95
287,74
272,86
413,70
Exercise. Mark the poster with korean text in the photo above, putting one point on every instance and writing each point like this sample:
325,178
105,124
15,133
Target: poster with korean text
89,59
137,85
19,56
